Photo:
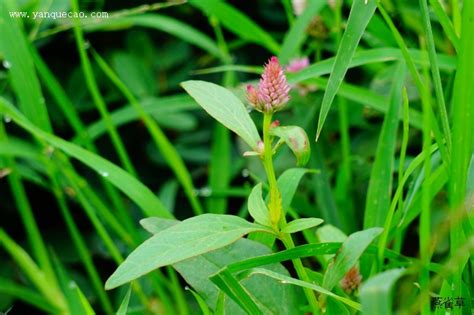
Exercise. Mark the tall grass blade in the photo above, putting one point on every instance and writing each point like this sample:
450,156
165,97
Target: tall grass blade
360,15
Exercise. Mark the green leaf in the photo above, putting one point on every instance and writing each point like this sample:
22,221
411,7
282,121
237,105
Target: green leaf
155,225
124,305
14,49
380,184
348,255
288,280
296,36
128,184
202,304
288,184
189,238
375,294
237,22
301,224
361,13
266,292
225,107
257,207
296,139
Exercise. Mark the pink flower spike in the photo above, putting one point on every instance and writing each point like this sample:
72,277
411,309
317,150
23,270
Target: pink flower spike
297,64
252,95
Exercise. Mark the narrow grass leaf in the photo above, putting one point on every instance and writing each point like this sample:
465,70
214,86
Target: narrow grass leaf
237,22
376,295
14,48
462,135
360,15
27,295
266,292
189,238
288,280
301,224
202,304
225,107
257,207
230,286
124,305
380,183
347,257
129,185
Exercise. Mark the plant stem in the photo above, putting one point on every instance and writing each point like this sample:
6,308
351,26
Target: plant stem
276,216
274,205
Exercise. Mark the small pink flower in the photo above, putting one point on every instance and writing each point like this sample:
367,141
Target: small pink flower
272,91
297,64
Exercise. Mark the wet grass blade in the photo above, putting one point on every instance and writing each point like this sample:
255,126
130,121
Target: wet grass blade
463,135
129,185
164,145
360,15
380,183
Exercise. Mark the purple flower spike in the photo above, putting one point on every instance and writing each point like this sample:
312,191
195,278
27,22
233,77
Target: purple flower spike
272,92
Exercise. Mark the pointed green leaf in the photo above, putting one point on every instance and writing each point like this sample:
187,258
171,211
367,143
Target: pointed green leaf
348,255
361,13
297,140
380,184
288,280
301,224
257,207
225,107
288,183
124,305
189,238
375,294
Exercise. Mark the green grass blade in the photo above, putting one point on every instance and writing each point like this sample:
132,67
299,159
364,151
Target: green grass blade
238,23
445,22
375,294
124,305
348,256
228,284
97,97
360,15
435,72
288,280
296,36
164,145
23,77
367,57
129,185
463,135
380,183
31,270
9,288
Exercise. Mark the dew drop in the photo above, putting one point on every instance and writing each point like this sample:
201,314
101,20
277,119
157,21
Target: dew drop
104,173
7,119
245,173
87,45
205,192
186,288
72,285
6,64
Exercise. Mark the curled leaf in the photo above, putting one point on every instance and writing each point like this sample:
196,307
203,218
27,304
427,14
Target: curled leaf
297,140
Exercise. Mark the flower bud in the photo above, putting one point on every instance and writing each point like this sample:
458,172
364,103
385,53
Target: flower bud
272,91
